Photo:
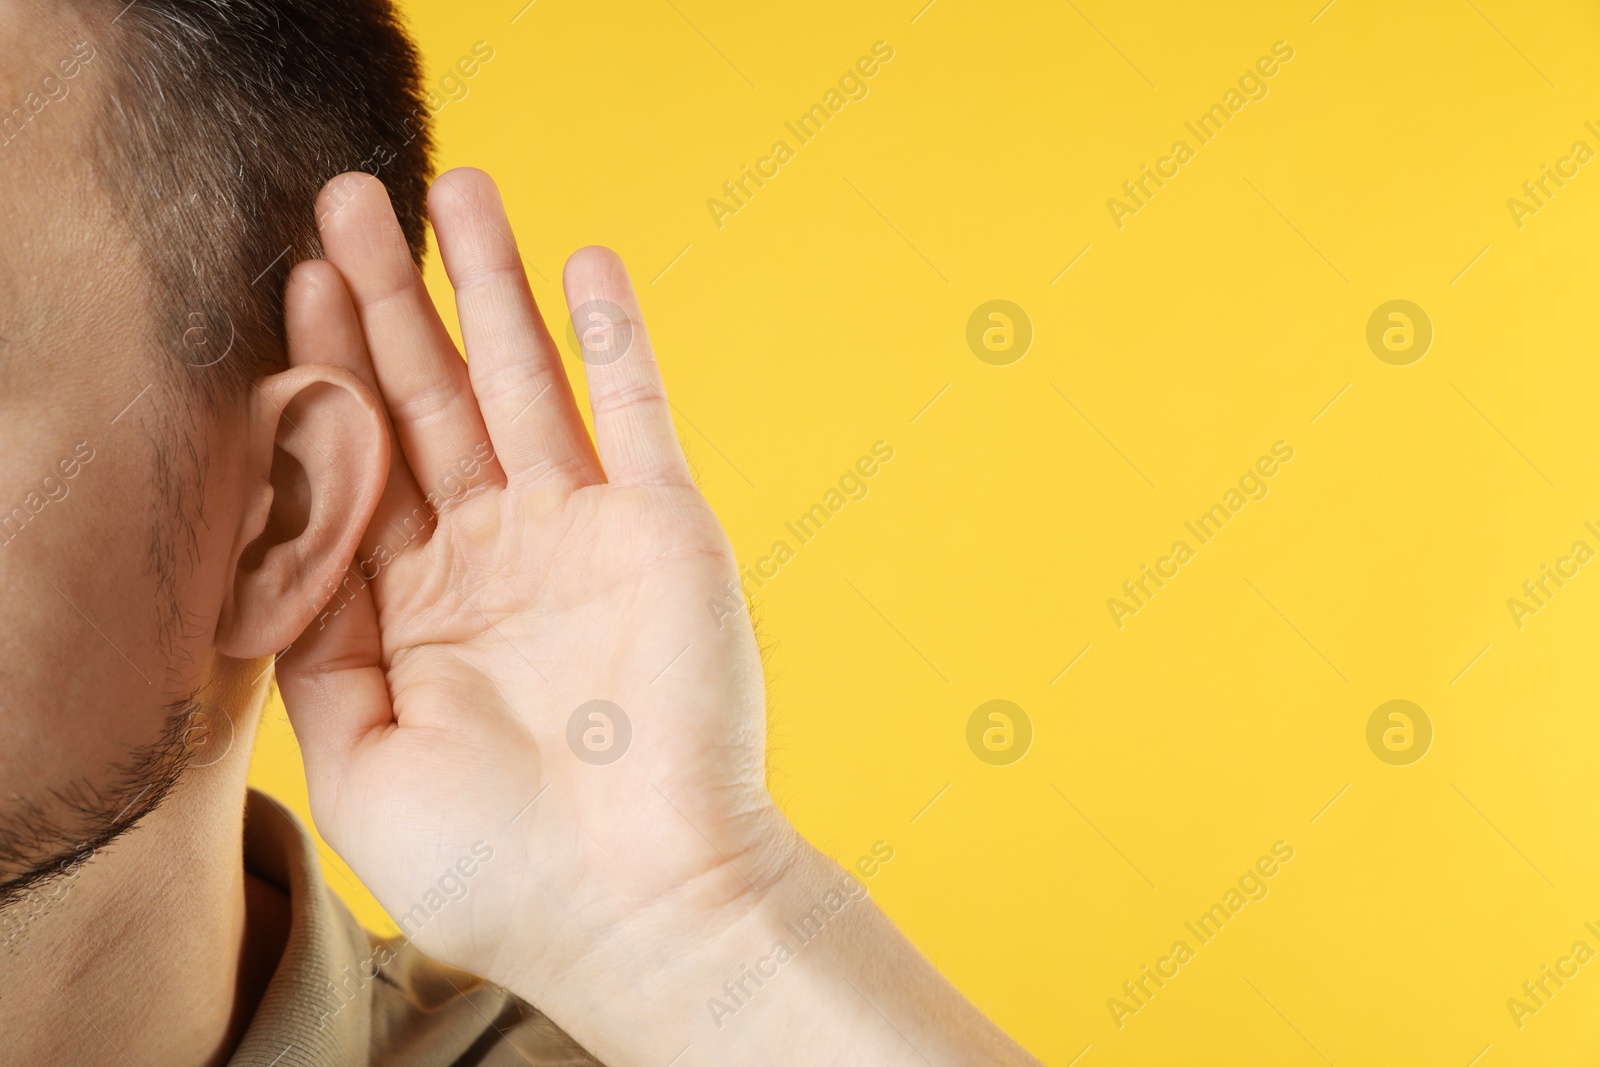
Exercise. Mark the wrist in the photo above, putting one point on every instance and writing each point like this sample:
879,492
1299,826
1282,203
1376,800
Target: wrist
797,966
810,974
640,968
753,973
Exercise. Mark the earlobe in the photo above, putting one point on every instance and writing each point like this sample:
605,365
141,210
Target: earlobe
322,453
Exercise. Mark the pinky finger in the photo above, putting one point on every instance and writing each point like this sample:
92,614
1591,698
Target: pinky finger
632,419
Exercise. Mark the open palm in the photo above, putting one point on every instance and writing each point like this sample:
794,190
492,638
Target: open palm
535,708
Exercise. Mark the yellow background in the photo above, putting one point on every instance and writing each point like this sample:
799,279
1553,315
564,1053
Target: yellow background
1223,317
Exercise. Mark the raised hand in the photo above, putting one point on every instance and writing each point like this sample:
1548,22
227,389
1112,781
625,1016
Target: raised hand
533,717
510,577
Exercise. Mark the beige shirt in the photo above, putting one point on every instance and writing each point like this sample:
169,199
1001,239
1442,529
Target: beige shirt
341,996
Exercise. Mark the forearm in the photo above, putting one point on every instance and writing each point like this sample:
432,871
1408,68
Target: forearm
812,972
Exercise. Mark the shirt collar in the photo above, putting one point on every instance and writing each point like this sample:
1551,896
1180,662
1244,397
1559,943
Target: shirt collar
303,1018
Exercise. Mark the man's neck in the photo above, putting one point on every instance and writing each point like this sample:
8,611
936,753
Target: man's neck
146,955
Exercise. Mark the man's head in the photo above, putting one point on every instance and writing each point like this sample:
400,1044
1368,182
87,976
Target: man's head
174,504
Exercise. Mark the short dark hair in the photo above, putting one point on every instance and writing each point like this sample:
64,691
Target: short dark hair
226,119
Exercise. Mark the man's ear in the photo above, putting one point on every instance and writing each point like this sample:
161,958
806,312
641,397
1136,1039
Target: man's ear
319,457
